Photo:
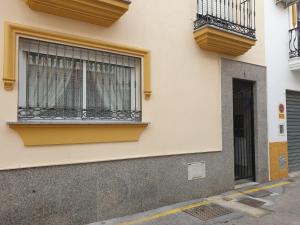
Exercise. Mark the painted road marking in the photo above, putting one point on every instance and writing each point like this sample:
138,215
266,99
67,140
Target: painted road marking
258,189
180,209
164,214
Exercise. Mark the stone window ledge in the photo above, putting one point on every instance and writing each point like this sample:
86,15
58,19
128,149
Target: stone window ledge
39,133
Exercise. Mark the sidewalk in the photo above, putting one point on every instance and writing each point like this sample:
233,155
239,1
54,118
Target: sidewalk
276,203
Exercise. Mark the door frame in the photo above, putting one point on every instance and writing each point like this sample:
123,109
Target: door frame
231,69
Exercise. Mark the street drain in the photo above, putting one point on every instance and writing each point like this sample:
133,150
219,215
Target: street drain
208,212
251,202
260,194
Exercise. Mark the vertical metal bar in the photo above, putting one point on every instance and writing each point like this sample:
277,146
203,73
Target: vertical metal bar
240,9
38,75
111,81
228,7
236,11
247,13
56,74
116,74
95,82
84,88
28,68
225,9
129,83
253,174
109,85
89,77
73,68
123,93
135,90
47,84
102,76
244,19
232,10
64,92
216,14
246,121
251,3
42,76
206,7
254,14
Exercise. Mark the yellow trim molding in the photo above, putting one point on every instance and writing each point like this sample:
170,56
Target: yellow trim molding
294,15
39,134
100,12
12,31
220,41
278,160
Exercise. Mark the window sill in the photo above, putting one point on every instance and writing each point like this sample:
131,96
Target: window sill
41,133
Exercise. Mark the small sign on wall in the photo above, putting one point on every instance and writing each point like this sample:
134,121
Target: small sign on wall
281,111
281,129
282,162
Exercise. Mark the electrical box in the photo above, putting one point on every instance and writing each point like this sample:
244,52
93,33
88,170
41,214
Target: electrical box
196,170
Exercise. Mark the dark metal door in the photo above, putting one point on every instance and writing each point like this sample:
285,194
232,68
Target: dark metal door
244,163
293,129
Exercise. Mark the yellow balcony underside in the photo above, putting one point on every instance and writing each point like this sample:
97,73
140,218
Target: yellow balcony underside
100,12
34,134
220,41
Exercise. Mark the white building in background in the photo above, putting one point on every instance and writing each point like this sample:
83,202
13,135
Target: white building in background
283,86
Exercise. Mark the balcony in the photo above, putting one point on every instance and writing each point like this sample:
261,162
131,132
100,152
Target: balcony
225,26
100,12
294,54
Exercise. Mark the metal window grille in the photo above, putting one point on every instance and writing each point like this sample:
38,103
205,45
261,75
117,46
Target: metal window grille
294,42
233,15
61,82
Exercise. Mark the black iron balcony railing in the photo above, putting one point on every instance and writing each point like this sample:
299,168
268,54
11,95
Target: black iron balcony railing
236,16
294,42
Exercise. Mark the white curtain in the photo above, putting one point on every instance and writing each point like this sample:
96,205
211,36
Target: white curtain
108,87
53,82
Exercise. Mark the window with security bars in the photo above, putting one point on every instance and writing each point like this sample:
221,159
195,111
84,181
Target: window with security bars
62,82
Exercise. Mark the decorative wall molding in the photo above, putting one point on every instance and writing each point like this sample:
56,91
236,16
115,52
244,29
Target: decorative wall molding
12,31
39,134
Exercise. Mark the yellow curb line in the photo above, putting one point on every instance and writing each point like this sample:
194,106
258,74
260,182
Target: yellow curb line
163,214
178,210
258,189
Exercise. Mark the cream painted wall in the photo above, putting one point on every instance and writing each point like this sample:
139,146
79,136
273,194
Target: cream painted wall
185,109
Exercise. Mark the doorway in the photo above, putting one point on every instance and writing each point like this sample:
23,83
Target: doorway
243,120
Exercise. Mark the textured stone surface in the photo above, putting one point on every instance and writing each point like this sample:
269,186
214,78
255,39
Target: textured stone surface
86,193
239,70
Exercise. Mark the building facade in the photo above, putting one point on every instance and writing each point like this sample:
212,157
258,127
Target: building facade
111,107
282,60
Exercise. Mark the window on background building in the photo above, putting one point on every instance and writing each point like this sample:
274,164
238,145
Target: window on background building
62,82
